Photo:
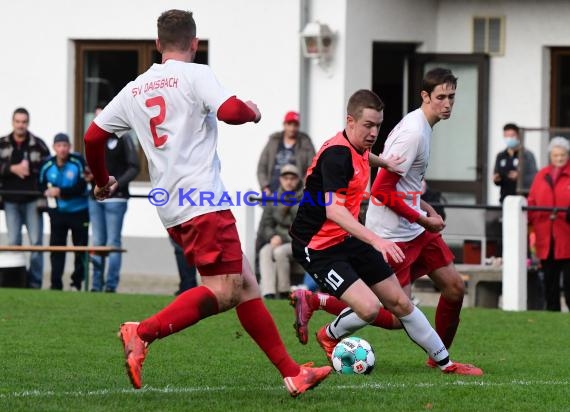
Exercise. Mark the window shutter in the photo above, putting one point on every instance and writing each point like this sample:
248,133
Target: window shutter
488,35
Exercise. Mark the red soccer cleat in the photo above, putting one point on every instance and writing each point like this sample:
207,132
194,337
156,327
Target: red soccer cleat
463,369
135,352
308,378
299,299
328,344
430,363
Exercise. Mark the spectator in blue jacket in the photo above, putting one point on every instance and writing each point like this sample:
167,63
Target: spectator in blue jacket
62,178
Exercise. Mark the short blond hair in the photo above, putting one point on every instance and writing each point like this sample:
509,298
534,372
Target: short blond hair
363,99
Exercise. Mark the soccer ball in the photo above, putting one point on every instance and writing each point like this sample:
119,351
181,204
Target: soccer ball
353,355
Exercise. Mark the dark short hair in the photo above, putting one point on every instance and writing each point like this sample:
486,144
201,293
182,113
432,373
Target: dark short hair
21,110
511,126
363,99
176,29
438,76
100,105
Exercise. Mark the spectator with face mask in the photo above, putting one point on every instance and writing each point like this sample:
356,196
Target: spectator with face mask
507,164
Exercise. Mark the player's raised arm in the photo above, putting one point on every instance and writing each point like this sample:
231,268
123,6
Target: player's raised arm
95,140
384,187
235,111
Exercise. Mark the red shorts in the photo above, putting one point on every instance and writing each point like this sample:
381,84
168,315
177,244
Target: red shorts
424,254
211,243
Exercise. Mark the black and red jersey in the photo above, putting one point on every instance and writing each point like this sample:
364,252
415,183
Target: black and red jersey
337,167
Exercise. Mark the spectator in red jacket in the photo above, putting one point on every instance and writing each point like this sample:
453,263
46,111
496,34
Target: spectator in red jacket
551,187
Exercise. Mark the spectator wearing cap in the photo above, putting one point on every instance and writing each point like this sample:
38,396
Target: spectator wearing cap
551,187
21,155
62,177
276,255
289,146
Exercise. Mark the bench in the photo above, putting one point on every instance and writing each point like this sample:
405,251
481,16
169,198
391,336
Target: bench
87,250
485,286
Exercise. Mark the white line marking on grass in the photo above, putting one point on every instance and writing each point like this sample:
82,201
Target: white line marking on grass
205,389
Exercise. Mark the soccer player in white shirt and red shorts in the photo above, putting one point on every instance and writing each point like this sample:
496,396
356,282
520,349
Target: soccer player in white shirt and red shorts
172,108
397,213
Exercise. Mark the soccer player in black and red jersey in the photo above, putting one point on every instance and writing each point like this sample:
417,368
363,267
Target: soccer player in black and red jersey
345,258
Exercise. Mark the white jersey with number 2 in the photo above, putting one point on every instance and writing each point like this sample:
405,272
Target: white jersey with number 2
410,139
172,109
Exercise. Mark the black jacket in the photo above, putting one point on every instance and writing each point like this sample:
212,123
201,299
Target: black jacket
505,163
122,161
36,151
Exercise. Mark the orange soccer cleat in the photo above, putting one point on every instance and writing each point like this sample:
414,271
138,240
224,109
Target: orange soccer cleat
135,352
328,344
308,378
463,369
457,368
430,363
299,299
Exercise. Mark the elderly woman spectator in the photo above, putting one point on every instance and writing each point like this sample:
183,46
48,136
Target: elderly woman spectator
551,187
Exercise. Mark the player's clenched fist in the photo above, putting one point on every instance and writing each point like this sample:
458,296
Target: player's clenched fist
254,107
105,192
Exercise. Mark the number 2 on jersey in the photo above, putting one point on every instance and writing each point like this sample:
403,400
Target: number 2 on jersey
158,119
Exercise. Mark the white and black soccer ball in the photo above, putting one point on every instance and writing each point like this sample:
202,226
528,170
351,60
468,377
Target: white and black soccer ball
353,355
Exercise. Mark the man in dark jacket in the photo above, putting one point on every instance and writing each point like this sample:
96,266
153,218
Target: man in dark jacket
286,147
507,164
21,154
107,216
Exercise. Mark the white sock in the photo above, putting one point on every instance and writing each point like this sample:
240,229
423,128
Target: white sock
346,322
420,331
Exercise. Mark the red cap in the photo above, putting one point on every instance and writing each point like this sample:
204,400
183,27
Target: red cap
291,117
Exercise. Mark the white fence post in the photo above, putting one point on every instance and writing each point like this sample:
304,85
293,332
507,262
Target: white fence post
514,254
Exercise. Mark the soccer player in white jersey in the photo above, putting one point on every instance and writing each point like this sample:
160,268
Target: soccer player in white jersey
397,213
172,108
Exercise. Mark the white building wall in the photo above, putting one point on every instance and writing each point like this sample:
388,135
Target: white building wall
253,49
411,21
357,25
325,82
519,80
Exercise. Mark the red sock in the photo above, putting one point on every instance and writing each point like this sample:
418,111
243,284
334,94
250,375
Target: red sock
187,309
447,319
385,320
328,303
259,324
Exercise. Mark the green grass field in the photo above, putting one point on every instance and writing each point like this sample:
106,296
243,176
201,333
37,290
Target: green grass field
59,351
